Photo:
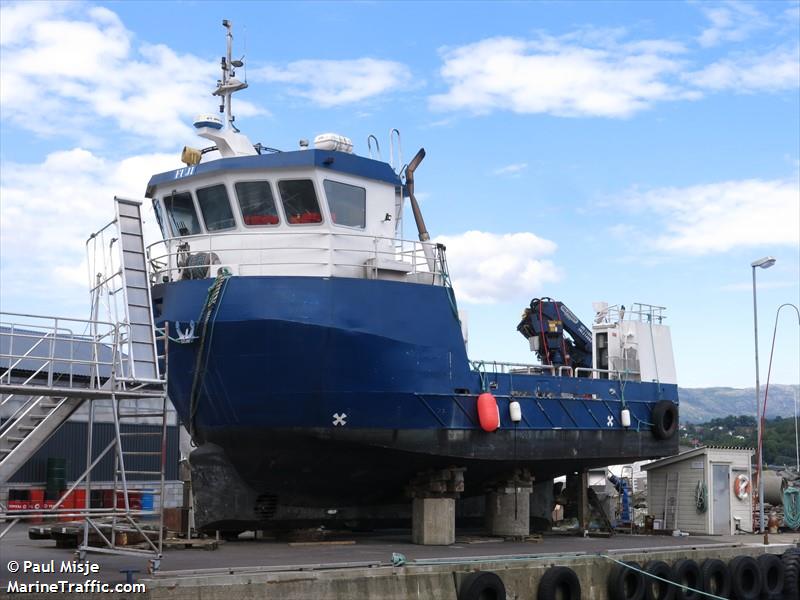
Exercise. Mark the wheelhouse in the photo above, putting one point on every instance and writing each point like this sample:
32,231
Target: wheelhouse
308,213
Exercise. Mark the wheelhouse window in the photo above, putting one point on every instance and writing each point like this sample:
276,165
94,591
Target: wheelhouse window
181,214
215,207
257,203
348,203
300,201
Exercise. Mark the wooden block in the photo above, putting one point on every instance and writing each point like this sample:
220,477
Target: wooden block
325,543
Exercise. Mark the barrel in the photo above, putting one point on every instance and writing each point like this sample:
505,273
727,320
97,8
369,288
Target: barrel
148,500
56,477
37,502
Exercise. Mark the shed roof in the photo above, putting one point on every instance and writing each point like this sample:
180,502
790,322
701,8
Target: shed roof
693,453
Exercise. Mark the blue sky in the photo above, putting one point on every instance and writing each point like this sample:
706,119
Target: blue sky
626,152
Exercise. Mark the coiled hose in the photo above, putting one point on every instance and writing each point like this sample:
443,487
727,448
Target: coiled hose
791,507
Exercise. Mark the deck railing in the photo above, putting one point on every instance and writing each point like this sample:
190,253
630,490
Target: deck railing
513,368
57,351
319,253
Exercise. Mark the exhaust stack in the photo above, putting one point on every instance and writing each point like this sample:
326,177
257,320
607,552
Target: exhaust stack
424,237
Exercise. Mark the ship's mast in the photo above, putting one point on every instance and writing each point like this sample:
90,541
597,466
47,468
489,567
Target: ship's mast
229,84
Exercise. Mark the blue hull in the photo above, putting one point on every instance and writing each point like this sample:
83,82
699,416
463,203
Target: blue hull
350,367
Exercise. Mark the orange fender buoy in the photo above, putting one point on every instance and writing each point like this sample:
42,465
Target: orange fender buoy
488,412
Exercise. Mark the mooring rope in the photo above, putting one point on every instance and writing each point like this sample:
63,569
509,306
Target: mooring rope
207,315
399,560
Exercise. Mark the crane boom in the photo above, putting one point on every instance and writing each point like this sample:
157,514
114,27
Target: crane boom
557,336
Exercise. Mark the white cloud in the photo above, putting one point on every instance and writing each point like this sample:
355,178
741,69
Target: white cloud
775,70
730,22
338,82
559,76
490,267
513,169
717,217
66,68
48,211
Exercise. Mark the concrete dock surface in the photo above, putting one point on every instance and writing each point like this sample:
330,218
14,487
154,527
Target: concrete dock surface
251,562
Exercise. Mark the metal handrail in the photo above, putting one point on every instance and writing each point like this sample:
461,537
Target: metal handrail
515,368
639,311
615,372
410,253
562,371
44,328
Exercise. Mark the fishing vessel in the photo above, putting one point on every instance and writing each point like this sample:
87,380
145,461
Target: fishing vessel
320,358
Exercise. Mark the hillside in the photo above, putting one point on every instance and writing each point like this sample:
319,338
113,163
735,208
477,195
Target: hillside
699,405
780,443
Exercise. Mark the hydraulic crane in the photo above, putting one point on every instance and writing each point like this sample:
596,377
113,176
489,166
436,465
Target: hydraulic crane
557,336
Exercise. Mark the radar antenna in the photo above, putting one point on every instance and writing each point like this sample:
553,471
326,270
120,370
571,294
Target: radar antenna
229,84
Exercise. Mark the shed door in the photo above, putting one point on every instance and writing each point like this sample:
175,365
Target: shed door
721,494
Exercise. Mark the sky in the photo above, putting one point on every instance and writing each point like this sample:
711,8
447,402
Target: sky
586,151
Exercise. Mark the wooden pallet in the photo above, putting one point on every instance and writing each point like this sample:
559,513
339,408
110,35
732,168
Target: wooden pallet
174,543
70,534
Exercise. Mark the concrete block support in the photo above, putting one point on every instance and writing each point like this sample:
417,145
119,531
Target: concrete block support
433,521
433,509
508,511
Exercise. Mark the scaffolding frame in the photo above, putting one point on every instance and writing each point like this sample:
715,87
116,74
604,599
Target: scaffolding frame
135,374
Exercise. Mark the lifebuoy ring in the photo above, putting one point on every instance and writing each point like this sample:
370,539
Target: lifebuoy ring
741,487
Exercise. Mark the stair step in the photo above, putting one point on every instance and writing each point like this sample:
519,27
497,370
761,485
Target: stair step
26,427
15,439
141,453
141,414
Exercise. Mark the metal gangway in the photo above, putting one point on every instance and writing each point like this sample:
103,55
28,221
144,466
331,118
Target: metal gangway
50,367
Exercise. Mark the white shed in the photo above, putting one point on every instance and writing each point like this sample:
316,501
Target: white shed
674,483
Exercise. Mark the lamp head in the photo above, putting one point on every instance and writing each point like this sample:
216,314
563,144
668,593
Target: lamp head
764,263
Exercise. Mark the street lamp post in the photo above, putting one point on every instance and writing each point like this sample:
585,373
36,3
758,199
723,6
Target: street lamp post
763,263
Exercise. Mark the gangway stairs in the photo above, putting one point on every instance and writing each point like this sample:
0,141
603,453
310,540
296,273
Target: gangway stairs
120,361
142,354
30,427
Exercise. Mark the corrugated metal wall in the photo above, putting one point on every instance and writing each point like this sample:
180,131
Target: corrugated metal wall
69,442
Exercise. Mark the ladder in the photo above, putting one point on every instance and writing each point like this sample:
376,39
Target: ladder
671,500
142,359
